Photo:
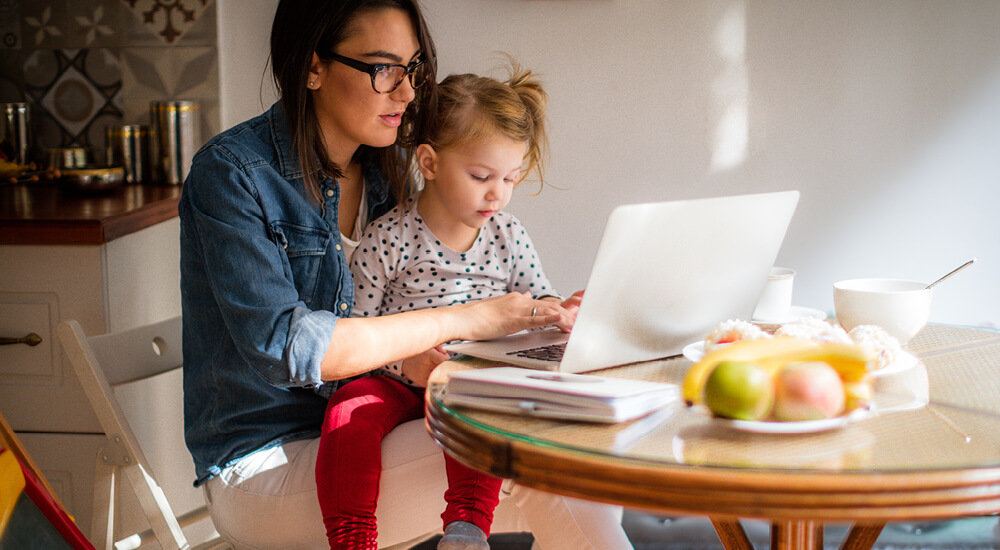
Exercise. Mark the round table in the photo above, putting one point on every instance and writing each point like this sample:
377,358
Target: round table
936,457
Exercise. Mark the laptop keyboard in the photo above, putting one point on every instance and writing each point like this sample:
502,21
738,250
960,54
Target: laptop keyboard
553,352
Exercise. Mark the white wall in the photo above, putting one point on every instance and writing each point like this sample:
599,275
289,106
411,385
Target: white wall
244,77
886,115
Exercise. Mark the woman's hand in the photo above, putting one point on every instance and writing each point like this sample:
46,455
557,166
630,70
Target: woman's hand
418,368
359,345
503,315
570,307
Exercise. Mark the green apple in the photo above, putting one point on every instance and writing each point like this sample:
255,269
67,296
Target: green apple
739,390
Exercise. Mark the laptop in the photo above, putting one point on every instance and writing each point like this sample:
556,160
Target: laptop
664,276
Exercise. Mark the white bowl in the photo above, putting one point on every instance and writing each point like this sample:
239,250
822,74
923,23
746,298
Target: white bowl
900,307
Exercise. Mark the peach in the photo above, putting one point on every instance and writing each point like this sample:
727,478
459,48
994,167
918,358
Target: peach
810,390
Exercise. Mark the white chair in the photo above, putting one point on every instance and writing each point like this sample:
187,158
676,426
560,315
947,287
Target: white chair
102,363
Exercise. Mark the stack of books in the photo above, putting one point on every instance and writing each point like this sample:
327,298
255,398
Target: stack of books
559,395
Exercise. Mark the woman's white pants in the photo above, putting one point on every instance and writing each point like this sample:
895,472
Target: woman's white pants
268,501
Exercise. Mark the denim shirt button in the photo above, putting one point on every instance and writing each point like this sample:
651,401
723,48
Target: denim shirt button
329,192
337,246
343,306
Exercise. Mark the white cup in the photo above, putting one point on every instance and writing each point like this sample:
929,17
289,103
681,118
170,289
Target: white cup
775,301
900,307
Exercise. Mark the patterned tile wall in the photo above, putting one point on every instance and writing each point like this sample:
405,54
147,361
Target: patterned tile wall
85,64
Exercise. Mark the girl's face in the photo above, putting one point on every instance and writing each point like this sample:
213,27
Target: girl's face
349,111
469,184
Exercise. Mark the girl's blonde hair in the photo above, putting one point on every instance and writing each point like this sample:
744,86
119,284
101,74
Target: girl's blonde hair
472,109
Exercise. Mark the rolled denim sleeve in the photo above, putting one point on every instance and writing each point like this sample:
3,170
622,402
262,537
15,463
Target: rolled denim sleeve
305,355
259,293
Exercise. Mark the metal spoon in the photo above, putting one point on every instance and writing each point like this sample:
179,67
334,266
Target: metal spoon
953,271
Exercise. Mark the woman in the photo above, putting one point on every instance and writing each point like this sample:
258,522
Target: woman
269,214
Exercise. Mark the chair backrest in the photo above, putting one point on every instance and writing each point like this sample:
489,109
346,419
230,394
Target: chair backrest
103,362
108,360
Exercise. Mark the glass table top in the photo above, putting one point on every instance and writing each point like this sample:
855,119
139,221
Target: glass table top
942,412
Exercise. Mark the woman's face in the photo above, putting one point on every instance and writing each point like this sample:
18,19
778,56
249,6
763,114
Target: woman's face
349,111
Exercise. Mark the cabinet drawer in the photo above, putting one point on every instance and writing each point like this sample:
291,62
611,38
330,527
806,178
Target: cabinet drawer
21,314
38,389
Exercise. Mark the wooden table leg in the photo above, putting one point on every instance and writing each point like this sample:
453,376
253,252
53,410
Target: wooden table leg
731,534
862,536
797,535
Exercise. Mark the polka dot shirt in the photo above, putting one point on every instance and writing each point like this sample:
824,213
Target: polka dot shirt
400,265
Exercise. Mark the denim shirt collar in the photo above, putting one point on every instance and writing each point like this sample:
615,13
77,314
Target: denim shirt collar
281,138
377,187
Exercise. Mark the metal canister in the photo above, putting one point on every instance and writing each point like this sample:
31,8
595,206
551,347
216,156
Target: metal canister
128,146
67,157
176,130
15,132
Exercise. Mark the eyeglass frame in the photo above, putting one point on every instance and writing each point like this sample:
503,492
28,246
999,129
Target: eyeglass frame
373,68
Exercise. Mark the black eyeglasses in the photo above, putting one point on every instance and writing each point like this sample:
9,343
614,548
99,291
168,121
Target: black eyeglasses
386,77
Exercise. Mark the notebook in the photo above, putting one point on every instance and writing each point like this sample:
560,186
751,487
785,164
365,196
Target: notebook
568,396
665,275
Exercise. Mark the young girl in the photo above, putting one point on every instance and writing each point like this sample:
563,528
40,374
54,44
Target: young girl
449,244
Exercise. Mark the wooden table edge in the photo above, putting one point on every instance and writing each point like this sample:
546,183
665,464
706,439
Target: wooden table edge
708,491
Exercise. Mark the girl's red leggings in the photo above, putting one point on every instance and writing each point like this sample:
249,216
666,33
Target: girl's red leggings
349,463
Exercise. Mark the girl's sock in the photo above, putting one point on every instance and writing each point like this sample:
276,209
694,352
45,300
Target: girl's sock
462,535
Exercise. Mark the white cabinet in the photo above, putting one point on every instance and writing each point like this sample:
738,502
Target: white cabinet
123,283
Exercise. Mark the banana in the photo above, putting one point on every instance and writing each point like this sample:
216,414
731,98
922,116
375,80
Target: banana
850,361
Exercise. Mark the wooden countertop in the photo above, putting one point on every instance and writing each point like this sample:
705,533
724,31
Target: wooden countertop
42,213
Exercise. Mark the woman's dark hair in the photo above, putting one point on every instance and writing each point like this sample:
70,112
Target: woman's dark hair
302,27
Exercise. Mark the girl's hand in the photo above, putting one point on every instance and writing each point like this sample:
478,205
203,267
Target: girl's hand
570,307
496,317
418,368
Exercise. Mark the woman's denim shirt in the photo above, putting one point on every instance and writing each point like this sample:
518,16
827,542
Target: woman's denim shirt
263,282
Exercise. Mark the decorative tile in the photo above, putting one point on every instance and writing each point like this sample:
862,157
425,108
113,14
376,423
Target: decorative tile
11,76
169,20
170,73
10,24
165,74
74,95
44,24
85,64
96,24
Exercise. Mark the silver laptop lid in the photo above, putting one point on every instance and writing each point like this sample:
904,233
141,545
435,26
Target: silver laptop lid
666,273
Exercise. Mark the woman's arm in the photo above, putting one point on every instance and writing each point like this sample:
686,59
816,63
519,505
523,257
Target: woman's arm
360,345
242,272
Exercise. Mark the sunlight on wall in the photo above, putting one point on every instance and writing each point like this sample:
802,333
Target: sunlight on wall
730,91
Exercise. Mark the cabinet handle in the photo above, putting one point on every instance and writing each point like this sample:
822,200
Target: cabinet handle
31,339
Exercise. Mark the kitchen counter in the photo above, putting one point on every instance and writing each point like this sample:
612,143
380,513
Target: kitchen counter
44,214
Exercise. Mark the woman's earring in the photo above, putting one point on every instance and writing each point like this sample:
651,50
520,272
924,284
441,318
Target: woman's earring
311,83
